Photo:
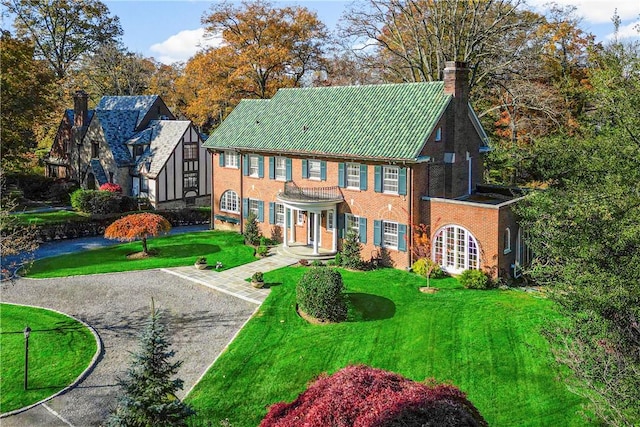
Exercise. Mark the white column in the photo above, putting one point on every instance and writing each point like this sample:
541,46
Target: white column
316,232
335,230
292,231
286,228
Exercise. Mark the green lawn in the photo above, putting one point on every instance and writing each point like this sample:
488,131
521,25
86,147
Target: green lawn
484,342
55,217
173,251
60,348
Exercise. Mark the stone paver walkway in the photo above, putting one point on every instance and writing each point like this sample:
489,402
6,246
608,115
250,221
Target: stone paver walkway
233,281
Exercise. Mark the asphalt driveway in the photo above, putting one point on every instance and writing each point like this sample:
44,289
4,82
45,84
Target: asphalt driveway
200,322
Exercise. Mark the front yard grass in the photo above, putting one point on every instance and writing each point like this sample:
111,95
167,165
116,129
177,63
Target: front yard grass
54,217
172,251
485,342
60,348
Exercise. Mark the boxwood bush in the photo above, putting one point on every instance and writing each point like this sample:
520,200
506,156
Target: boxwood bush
97,202
475,279
319,294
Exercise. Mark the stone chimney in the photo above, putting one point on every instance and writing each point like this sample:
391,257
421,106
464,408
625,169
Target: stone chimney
456,80
80,109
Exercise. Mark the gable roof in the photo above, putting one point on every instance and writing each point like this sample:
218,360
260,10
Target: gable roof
118,126
163,137
141,104
389,121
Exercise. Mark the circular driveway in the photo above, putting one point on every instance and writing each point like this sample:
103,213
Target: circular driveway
200,322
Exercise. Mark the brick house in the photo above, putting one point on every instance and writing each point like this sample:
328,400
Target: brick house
312,163
136,142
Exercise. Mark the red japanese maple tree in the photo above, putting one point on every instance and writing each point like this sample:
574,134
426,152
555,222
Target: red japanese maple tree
138,226
361,396
111,187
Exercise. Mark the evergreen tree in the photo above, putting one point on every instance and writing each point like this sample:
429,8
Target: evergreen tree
149,392
251,231
351,248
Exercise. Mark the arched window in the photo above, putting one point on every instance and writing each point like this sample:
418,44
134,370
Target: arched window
506,242
229,202
455,249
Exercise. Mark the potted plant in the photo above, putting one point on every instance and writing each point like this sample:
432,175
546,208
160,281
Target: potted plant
201,263
257,280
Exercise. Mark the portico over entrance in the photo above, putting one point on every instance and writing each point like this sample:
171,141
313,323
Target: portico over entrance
317,203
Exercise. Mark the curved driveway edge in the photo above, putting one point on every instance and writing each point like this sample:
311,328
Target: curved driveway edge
200,323
80,377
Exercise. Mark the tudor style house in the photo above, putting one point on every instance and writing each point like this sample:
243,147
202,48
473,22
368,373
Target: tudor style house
136,142
313,163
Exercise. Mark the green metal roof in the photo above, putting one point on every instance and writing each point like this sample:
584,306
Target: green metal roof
390,121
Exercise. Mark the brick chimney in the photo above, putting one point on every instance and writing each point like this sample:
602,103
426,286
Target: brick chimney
456,80
80,109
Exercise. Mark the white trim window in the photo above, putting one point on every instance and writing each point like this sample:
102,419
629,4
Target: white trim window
330,220
438,136
455,249
506,240
300,218
390,179
229,202
231,160
390,235
352,222
314,169
279,214
254,166
254,206
353,175
281,168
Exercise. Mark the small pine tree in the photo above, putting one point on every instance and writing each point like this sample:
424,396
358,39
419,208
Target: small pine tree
251,231
351,247
149,392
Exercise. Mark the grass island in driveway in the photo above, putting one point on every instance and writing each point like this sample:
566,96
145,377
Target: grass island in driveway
487,343
172,251
60,349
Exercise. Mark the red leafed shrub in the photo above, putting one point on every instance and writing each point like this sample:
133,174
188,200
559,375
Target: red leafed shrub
360,396
111,187
137,226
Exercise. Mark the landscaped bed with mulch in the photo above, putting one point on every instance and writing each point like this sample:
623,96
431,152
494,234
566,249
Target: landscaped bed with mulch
487,343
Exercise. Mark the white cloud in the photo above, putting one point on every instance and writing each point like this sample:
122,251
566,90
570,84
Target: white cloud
182,46
631,30
597,11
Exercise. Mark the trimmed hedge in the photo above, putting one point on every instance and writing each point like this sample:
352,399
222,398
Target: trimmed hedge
98,202
319,294
475,279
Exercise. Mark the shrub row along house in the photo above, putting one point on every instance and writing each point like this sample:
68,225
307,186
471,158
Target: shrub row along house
313,163
136,142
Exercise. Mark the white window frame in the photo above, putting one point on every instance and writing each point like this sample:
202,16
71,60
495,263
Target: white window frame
352,222
314,170
330,221
455,249
254,165
300,217
507,240
390,234
227,201
253,206
390,179
231,160
280,166
279,214
353,175
438,136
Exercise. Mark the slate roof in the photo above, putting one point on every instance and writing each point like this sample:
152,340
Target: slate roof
118,127
71,115
163,136
141,104
390,121
98,172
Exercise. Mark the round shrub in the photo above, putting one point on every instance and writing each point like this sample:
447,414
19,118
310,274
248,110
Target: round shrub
475,279
423,265
98,202
319,294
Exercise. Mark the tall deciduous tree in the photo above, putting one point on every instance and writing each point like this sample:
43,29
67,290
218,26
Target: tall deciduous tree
26,90
263,48
149,397
138,226
585,231
64,30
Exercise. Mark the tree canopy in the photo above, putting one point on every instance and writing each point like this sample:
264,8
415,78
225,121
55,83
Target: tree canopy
138,226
